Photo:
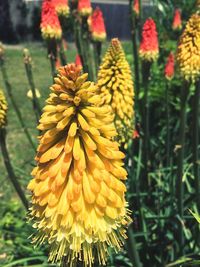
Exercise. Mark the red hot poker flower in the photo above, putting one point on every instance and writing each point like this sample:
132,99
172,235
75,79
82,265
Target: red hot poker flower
97,26
50,25
169,67
149,50
136,7
177,23
84,7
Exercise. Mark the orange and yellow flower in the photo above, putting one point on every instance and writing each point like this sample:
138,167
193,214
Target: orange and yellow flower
169,67
78,202
188,54
177,23
61,7
97,26
3,110
149,49
50,25
84,7
116,88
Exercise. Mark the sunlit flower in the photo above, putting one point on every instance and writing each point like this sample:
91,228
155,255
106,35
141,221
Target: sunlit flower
136,7
84,7
78,202
169,67
50,25
78,61
116,88
177,23
30,93
97,27
188,54
3,109
149,49
61,7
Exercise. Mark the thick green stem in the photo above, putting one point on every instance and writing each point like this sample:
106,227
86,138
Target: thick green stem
195,143
146,67
52,55
11,174
62,55
134,26
181,152
17,110
35,102
97,54
85,39
167,125
132,249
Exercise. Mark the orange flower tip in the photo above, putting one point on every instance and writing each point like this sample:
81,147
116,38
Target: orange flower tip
50,25
169,67
149,49
136,134
177,23
84,8
97,26
78,202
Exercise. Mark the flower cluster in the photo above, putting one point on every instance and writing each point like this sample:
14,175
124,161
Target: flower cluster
177,24
149,49
97,26
61,7
116,88
169,67
188,54
3,109
84,8
136,7
78,202
50,25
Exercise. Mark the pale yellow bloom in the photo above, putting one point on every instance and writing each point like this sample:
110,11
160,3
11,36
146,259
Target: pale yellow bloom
78,202
188,54
116,89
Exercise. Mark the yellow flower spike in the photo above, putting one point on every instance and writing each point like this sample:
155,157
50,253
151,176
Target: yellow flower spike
3,110
188,54
116,88
78,202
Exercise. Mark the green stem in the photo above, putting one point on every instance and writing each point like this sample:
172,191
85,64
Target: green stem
17,110
52,55
196,141
180,163
85,39
10,170
97,54
146,66
35,102
134,26
167,124
62,55
132,249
